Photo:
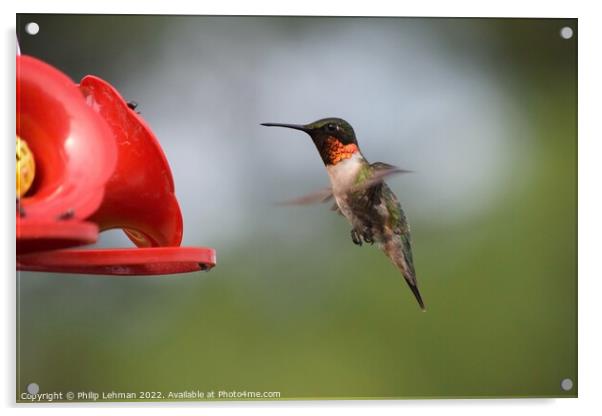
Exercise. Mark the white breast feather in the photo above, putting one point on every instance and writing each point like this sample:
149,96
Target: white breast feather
343,174
342,178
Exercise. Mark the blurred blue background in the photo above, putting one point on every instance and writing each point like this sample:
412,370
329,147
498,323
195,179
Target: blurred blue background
483,111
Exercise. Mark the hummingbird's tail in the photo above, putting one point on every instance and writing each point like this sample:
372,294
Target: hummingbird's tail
416,292
398,249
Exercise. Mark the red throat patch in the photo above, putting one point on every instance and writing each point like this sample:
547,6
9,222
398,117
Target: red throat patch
337,151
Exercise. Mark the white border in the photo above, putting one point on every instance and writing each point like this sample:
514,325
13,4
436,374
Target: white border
590,208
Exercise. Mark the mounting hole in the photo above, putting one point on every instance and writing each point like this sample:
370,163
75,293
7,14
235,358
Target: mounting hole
566,384
566,32
33,388
32,28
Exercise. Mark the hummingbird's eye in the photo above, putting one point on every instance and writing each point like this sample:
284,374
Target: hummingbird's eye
331,127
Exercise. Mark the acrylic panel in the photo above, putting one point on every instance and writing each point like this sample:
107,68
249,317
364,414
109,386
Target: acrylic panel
153,124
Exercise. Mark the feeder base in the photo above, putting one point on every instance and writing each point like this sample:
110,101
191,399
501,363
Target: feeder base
36,235
121,262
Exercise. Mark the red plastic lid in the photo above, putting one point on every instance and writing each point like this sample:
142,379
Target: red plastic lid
73,147
121,262
140,195
34,235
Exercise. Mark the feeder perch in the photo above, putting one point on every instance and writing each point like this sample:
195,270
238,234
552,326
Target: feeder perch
98,166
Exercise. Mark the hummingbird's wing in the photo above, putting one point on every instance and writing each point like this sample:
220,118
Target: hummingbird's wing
323,195
380,171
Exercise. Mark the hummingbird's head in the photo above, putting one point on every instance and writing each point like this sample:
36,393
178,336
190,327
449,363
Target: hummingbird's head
334,138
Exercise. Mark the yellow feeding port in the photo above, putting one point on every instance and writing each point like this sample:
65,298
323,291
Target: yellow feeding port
26,167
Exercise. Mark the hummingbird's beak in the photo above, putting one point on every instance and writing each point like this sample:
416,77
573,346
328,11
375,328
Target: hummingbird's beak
290,126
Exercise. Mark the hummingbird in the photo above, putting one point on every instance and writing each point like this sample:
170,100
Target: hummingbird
360,194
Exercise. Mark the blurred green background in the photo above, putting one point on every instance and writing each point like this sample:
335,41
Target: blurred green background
484,112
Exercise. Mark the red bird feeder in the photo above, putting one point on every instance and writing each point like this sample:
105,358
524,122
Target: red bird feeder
98,166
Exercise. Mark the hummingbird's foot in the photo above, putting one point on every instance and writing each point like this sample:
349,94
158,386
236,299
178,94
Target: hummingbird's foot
368,238
355,237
